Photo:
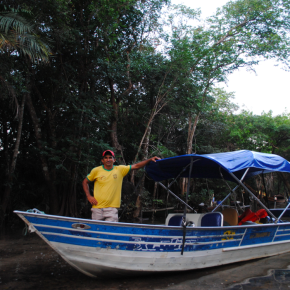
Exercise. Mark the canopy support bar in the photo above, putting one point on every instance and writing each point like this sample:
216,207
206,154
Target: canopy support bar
188,184
182,171
178,175
225,199
185,209
244,175
268,211
282,213
162,185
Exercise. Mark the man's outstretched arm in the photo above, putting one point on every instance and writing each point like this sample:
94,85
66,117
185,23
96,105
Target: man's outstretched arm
144,163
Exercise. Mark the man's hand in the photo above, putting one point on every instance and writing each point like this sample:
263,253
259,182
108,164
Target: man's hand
155,158
92,200
144,163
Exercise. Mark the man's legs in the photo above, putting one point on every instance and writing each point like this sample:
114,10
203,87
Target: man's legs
109,214
97,214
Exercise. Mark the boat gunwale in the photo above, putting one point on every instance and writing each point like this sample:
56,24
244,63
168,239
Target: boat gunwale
122,224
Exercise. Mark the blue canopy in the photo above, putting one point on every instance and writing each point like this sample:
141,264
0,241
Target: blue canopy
212,165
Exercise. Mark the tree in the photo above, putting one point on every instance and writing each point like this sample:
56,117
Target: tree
240,34
120,78
17,37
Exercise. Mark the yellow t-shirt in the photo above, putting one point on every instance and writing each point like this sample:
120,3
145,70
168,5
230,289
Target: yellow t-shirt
108,185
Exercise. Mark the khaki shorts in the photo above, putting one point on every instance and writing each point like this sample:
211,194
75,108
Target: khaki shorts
109,214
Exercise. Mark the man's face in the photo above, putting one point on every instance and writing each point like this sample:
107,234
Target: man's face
108,161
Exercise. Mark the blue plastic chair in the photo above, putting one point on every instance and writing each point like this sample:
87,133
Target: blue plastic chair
212,219
175,220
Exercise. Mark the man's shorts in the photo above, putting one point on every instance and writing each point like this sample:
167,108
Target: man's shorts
109,214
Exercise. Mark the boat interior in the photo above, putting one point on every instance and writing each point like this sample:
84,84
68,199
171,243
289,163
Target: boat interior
227,217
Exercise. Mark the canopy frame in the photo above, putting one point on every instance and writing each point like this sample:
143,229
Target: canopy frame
167,188
282,212
255,198
231,190
185,209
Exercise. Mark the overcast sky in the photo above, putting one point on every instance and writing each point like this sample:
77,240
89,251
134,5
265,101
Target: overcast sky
266,90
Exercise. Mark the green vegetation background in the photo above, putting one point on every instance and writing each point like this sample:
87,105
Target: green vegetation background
141,77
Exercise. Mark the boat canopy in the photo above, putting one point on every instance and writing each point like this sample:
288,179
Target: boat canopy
217,165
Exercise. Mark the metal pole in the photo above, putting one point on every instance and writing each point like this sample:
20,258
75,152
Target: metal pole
225,199
184,213
178,175
182,171
282,213
244,175
188,185
252,195
175,195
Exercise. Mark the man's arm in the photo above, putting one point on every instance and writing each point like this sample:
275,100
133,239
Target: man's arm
144,163
90,198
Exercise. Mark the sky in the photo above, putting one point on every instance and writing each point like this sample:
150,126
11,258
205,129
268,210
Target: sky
265,90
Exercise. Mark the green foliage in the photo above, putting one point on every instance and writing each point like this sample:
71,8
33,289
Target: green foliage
203,196
114,63
158,203
17,33
146,198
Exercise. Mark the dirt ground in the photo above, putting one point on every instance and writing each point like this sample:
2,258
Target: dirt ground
27,262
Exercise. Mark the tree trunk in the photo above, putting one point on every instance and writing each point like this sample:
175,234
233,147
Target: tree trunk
190,135
114,125
191,132
144,140
145,156
53,197
286,179
7,190
68,204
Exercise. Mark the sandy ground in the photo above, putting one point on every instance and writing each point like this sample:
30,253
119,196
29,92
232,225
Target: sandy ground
26,262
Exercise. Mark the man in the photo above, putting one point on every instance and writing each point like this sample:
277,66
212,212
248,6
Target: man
108,181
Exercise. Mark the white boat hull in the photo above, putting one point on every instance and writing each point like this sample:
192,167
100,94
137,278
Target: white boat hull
105,248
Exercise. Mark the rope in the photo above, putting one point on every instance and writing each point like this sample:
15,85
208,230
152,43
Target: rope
184,233
25,230
35,210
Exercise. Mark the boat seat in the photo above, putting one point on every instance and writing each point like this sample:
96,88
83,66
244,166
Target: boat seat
231,217
193,218
212,219
175,220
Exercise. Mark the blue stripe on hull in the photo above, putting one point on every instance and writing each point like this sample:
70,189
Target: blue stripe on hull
283,233
141,247
282,238
193,238
258,235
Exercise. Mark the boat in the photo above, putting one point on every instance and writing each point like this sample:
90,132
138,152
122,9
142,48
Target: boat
187,241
